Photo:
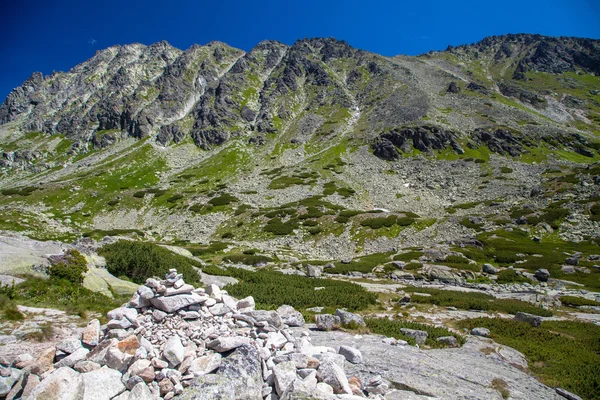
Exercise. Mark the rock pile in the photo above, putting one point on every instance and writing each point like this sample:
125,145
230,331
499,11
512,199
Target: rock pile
172,339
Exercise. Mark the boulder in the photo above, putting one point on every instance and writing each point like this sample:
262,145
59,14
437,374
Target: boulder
245,304
485,332
448,340
567,395
239,377
290,316
44,362
326,322
91,334
312,271
419,336
334,375
272,317
533,320
349,319
351,354
7,382
205,364
102,384
542,275
72,359
69,345
489,269
63,383
283,375
572,261
174,303
174,351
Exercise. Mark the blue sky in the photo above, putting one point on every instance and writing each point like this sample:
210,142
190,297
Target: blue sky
46,36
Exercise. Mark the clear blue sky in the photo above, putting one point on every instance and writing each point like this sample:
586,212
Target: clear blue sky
56,35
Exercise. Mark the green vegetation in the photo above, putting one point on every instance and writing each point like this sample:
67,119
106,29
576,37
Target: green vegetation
506,170
389,221
70,266
561,353
139,261
511,276
272,289
363,264
8,308
248,259
223,200
391,328
279,228
502,247
408,256
473,301
574,301
24,191
58,293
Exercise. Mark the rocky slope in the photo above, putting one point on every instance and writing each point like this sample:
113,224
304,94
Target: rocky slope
209,142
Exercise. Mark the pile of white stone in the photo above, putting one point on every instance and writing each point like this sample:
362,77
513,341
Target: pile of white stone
172,339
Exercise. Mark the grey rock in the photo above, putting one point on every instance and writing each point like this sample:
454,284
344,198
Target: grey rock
159,315
326,322
205,364
72,359
333,375
272,317
533,320
86,366
348,318
290,316
567,395
351,354
102,384
239,377
174,352
174,303
489,269
419,336
91,334
284,374
141,392
448,340
542,275
219,309
7,382
312,271
63,383
572,261
485,332
69,345
227,343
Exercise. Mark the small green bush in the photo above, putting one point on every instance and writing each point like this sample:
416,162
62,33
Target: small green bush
247,259
408,256
223,200
277,227
140,261
71,266
511,276
595,212
174,198
574,301
376,223
345,215
24,191
506,170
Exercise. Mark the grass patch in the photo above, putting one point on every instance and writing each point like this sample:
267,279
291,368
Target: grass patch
279,228
511,276
574,301
561,353
247,259
363,264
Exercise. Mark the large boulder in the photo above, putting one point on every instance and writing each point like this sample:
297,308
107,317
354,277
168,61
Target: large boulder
62,384
326,322
271,317
419,336
542,275
533,320
239,377
102,384
348,319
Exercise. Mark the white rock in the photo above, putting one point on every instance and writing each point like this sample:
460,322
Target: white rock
334,375
141,392
123,312
226,343
138,367
284,375
63,383
181,290
205,364
91,334
219,309
247,304
145,292
102,384
174,352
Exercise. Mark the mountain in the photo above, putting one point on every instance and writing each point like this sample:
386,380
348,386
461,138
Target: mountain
293,148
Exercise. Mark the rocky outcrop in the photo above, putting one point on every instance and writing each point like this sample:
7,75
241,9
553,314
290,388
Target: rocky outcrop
214,347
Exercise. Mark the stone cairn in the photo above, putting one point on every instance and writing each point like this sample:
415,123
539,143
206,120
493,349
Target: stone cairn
172,339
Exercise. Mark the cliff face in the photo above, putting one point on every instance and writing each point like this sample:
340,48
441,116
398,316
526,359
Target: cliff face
213,92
